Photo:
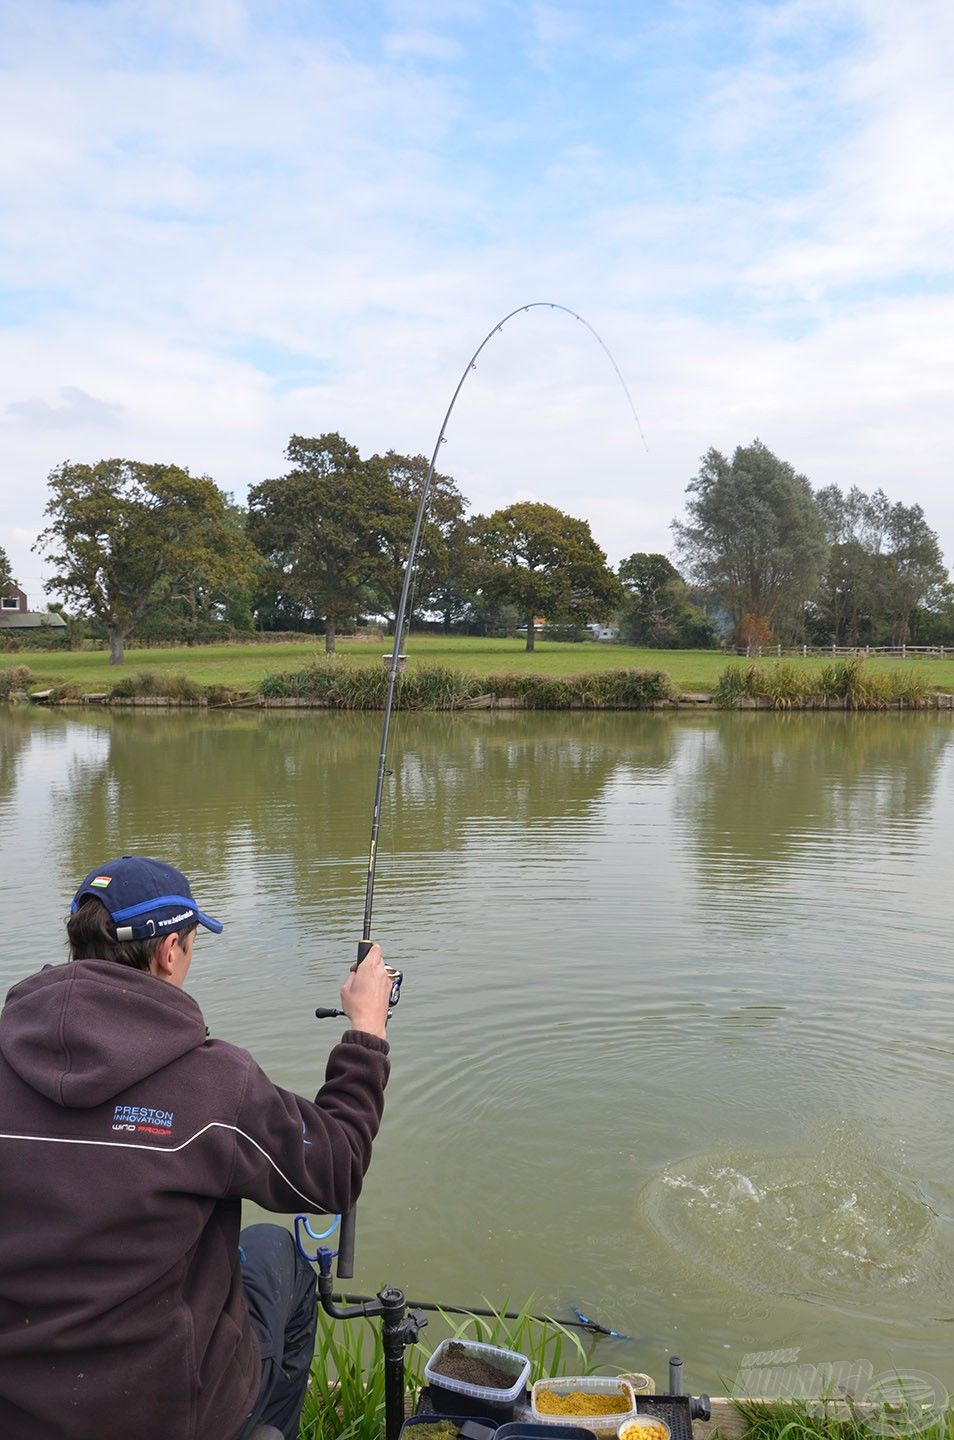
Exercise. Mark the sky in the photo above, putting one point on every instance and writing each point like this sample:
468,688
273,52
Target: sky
228,221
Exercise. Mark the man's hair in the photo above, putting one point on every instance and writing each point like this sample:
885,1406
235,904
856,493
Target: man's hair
91,937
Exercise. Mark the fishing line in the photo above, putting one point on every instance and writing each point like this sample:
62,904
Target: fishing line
402,611
345,1267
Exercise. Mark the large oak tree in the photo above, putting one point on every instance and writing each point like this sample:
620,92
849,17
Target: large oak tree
320,526
545,562
441,550
126,537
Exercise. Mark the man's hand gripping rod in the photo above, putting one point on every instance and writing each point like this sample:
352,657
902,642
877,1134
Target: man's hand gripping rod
345,1252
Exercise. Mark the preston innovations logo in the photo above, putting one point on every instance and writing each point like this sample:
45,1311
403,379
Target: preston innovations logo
142,1120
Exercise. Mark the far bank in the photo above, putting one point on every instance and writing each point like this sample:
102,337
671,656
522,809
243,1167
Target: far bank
348,683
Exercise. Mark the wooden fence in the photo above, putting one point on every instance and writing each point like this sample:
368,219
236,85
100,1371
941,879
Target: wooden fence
857,652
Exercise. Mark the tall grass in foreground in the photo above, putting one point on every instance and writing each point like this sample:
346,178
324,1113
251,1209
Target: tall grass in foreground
789,686
345,1399
842,1420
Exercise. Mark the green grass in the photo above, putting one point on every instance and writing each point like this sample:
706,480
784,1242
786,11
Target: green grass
243,667
345,1399
839,1420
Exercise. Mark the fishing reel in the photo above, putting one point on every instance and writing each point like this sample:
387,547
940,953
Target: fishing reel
325,1012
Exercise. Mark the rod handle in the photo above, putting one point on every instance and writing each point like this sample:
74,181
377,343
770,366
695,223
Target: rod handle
345,1266
327,1012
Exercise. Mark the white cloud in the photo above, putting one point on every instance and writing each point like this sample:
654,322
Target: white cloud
76,409
252,231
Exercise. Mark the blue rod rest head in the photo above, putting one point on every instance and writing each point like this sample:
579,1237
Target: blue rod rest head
303,1227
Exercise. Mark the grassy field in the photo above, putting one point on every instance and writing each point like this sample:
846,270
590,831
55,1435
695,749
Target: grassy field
244,666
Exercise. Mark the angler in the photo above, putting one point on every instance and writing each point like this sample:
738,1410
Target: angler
128,1140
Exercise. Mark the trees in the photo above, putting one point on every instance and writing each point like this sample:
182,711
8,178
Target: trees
545,562
320,528
658,611
442,550
914,569
754,536
884,566
126,536
848,601
6,577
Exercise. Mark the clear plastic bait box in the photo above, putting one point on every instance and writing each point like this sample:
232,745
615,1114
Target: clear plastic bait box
604,1385
450,1396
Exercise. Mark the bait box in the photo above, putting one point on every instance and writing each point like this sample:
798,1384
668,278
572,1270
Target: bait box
637,1427
531,1430
407,1429
449,1396
676,1410
585,1385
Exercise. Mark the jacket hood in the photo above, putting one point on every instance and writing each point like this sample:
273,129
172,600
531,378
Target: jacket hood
83,1032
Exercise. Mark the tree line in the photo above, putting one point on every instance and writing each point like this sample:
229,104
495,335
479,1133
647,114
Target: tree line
152,550
811,566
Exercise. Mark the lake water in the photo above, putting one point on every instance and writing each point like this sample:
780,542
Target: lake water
676,1042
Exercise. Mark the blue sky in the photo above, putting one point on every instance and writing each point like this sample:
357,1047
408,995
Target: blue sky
225,222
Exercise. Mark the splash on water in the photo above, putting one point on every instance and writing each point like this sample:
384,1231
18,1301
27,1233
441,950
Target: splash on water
836,1221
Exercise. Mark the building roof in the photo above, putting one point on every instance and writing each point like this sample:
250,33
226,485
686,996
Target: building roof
31,620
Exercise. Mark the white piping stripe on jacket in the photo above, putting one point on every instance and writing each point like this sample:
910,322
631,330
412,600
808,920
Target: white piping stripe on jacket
174,1149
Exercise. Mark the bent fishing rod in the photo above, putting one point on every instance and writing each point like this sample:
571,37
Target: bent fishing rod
345,1267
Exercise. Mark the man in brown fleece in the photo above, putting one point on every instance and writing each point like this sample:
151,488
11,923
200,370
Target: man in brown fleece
128,1140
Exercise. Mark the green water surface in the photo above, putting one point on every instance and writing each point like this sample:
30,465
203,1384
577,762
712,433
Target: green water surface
677,1036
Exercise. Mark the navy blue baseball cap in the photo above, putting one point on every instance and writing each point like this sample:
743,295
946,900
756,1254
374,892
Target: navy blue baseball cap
146,898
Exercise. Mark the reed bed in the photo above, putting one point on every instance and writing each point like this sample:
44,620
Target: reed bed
157,684
789,686
439,687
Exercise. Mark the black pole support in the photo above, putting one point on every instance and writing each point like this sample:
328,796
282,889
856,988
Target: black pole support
398,1330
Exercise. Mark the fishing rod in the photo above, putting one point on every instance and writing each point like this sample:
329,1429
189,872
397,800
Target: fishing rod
345,1267
585,1322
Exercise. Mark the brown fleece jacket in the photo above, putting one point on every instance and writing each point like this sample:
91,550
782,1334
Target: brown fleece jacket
128,1141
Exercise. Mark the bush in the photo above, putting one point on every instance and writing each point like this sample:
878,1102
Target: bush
632,687
603,689
436,687
538,692
16,678
353,687
157,683
738,680
43,637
